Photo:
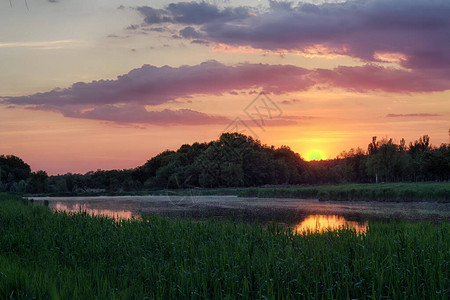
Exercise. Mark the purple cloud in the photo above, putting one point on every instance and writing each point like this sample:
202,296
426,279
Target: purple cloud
150,85
190,33
124,99
192,13
138,114
201,42
377,78
415,33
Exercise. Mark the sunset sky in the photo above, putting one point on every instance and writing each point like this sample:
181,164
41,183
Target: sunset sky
107,84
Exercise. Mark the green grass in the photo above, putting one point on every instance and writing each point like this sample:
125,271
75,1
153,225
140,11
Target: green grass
389,192
75,256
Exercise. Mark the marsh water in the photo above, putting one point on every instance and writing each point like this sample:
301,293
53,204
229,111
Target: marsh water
300,214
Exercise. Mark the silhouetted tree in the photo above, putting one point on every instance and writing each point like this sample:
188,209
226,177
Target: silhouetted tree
38,182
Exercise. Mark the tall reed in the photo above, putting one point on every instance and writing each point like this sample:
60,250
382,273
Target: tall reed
45,255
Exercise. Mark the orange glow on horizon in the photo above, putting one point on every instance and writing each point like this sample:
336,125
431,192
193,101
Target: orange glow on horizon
327,123
322,223
315,155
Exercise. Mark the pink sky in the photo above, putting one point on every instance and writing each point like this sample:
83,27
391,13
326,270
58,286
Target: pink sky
108,85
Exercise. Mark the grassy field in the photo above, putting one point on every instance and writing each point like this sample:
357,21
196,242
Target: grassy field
402,192
58,256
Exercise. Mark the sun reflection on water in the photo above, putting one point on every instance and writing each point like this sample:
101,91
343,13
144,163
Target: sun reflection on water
312,223
76,208
321,223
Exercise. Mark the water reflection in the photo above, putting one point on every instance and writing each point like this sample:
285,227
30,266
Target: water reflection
312,223
321,223
76,208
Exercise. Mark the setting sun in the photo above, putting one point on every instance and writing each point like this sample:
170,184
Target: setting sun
315,155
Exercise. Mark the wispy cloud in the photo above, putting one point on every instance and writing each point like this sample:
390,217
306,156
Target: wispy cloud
289,102
138,114
43,45
421,115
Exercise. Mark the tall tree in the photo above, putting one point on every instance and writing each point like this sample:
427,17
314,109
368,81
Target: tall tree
38,182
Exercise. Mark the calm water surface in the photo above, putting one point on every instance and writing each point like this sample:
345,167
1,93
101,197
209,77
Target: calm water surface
302,215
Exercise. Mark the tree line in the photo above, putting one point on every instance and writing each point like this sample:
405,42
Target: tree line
16,176
236,160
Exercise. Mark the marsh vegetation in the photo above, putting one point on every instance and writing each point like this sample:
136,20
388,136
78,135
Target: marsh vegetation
64,255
